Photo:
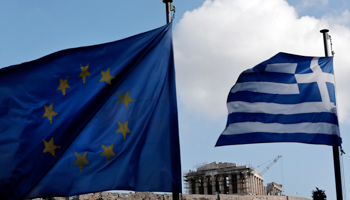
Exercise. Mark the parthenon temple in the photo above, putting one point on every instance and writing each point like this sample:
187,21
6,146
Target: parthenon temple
228,178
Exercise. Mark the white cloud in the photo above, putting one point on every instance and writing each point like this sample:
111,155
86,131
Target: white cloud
338,19
216,42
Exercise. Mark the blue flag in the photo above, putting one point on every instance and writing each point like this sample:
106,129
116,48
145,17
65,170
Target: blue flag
91,119
287,98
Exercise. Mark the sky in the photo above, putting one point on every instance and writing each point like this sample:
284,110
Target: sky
214,41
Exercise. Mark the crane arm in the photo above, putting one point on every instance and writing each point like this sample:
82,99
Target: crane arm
273,162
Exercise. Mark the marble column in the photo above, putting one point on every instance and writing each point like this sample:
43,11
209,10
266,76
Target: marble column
197,185
254,183
213,185
239,185
244,178
256,186
205,185
230,185
190,182
221,184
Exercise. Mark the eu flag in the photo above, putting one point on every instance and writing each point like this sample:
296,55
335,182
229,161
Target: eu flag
91,119
287,98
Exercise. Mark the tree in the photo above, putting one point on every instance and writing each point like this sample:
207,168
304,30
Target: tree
319,194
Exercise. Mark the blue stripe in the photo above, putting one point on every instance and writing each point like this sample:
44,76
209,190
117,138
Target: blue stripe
255,97
309,92
278,137
331,91
267,77
282,119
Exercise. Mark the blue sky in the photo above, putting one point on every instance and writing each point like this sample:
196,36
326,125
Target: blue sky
214,41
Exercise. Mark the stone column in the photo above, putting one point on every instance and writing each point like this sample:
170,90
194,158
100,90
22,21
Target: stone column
244,178
230,185
247,183
205,185
239,185
264,189
251,186
256,186
213,185
221,184
252,183
260,187
190,182
197,185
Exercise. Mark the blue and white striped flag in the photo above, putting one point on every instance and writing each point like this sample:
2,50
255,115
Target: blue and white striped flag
287,98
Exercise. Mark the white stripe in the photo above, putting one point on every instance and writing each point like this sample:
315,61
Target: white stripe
288,68
267,87
251,127
275,108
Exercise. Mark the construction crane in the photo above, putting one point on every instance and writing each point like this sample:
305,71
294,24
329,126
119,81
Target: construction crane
268,167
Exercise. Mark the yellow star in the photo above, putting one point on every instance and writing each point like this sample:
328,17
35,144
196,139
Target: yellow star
63,86
125,99
81,161
84,72
123,128
108,152
50,147
106,76
49,112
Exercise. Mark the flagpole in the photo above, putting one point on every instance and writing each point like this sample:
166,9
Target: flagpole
168,20
335,148
168,10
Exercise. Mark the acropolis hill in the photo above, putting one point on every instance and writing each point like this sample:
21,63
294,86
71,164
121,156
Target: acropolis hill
153,196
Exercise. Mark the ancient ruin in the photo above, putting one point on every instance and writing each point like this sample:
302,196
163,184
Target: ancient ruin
153,196
228,178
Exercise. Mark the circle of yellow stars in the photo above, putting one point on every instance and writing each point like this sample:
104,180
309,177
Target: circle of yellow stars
123,127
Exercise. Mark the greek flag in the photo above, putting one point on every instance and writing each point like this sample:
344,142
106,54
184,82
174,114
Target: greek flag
288,98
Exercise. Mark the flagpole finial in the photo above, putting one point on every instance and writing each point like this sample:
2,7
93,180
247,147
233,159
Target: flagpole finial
325,38
321,31
169,7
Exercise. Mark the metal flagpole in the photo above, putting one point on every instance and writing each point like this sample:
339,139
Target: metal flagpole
169,7
337,173
168,10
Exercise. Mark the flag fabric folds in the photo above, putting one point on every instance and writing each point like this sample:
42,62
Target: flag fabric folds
91,119
287,98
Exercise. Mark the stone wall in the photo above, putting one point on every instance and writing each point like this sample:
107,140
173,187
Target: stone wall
153,196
